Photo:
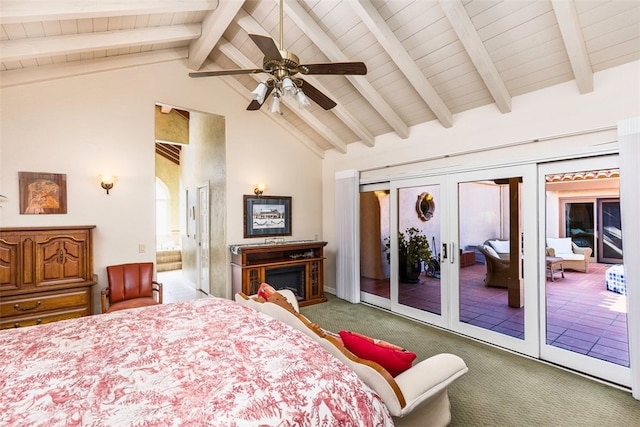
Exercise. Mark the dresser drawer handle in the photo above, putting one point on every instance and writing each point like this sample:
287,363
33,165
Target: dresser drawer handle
17,325
17,307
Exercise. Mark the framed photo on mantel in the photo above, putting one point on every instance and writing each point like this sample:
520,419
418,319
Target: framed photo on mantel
267,216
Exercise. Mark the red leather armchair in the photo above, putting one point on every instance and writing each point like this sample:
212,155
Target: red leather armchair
130,286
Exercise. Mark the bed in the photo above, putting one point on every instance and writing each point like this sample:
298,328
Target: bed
208,362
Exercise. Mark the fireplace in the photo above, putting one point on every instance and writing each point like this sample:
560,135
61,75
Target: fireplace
297,266
292,278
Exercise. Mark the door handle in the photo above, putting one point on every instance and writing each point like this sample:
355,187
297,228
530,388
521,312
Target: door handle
451,258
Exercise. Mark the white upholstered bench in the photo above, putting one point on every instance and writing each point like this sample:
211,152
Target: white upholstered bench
416,397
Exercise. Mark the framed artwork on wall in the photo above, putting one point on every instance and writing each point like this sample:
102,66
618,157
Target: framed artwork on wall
267,216
42,193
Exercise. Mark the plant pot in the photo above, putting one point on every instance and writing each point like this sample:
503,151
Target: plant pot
410,272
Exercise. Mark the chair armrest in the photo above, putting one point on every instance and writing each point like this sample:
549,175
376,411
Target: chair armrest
157,286
551,252
580,250
429,377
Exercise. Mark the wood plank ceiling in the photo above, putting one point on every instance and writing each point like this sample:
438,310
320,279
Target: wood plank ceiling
427,59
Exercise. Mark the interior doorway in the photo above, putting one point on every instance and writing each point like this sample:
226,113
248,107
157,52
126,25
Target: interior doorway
171,134
190,152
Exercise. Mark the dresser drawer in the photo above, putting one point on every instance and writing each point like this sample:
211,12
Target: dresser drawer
43,302
31,320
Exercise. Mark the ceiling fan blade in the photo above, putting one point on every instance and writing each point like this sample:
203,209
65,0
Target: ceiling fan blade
255,105
267,46
226,72
342,68
314,94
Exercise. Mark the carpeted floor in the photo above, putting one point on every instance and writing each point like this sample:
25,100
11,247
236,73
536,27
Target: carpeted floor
501,388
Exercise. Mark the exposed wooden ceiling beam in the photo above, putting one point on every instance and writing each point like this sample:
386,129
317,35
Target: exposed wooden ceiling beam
329,48
20,11
23,76
242,61
567,17
22,49
251,26
466,32
213,26
381,31
169,151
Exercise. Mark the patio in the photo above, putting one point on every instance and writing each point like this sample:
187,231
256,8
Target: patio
582,315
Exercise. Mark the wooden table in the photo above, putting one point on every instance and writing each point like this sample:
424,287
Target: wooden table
554,263
467,258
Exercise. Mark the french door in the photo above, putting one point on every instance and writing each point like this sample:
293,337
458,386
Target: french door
457,214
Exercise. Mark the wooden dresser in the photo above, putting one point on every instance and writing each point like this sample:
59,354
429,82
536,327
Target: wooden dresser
46,274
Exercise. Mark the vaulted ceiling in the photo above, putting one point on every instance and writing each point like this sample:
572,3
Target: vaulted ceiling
427,59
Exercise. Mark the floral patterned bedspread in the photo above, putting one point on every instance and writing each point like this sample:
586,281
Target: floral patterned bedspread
208,362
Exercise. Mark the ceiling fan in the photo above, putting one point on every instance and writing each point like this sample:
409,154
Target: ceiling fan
284,66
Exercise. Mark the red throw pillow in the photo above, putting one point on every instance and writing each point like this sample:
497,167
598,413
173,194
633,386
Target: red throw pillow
265,291
393,358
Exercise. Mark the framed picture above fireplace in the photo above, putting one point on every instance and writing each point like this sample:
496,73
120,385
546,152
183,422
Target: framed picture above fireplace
267,216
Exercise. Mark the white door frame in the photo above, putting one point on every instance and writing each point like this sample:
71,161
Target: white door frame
598,368
203,238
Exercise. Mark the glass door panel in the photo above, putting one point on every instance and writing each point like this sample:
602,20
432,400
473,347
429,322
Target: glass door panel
419,213
580,224
375,283
492,280
418,240
610,229
585,309
490,284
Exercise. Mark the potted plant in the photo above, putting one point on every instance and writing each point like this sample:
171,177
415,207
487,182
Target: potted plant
413,249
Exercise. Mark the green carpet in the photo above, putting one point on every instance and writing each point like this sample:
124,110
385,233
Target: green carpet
501,388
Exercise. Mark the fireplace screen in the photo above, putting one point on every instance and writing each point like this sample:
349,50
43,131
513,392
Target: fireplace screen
292,278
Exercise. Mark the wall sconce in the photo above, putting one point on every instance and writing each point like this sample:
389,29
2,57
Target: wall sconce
106,182
259,189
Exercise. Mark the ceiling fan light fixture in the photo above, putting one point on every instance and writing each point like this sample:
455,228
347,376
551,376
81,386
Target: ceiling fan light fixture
275,104
287,86
259,92
302,99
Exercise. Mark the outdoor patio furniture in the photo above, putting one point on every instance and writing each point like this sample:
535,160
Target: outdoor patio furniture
554,264
615,280
574,257
497,265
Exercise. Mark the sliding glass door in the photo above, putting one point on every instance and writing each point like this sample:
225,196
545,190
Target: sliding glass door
457,284
610,231
493,232
584,316
527,257
415,249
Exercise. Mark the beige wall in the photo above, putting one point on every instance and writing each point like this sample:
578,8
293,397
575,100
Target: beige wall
86,125
204,164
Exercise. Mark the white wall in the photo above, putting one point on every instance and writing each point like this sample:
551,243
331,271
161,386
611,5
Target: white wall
546,113
104,122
